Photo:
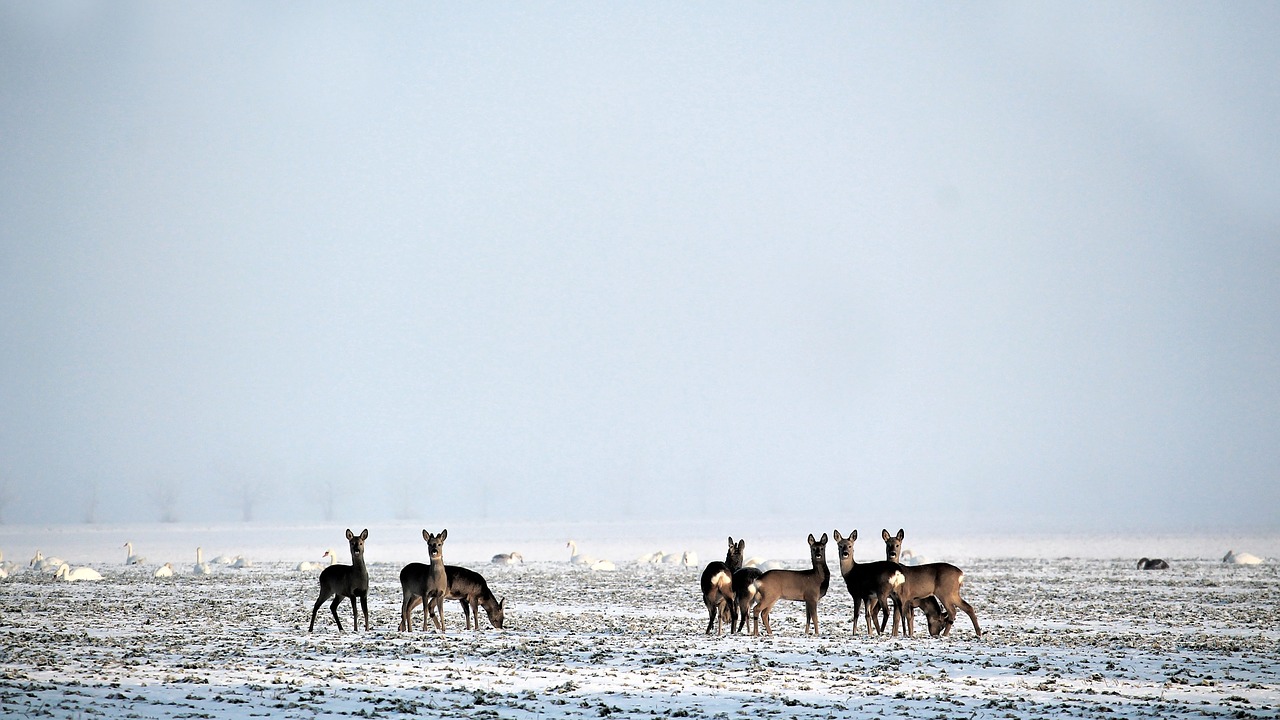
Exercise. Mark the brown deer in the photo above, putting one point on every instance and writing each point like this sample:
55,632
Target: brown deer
870,584
429,584
939,619
807,586
466,586
919,582
717,587
892,545
341,581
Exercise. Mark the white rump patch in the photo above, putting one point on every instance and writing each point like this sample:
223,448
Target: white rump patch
897,579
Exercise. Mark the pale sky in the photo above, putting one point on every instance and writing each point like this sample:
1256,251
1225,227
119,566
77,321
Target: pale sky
959,266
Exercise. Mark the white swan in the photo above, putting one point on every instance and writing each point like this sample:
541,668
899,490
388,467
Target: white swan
242,562
575,558
223,560
603,566
201,567
649,558
763,565
132,559
1244,558
511,558
908,557
40,562
307,565
165,570
81,573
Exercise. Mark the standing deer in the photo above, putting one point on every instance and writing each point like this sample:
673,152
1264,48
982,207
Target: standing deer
870,584
466,586
919,582
807,586
429,584
717,587
743,585
342,581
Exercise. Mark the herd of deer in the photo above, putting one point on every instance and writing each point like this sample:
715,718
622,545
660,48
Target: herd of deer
730,591
428,585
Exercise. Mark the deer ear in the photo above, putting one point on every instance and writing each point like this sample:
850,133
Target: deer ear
426,535
742,545
350,535
444,534
836,534
365,535
901,534
854,536
811,540
823,541
885,534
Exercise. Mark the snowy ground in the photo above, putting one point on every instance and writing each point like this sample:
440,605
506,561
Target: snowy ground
1079,634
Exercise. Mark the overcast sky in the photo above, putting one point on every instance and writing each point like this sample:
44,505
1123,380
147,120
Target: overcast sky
963,266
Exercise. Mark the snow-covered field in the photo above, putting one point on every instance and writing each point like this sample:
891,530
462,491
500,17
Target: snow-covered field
1073,630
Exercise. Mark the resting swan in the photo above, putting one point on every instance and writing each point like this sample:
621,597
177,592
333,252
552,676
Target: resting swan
132,559
81,573
40,562
575,558
511,558
165,570
308,565
1241,558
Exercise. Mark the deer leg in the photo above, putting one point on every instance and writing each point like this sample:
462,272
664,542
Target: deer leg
333,608
440,611
959,602
405,607
811,615
319,601
364,609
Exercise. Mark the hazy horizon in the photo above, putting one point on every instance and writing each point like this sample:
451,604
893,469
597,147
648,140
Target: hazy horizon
959,267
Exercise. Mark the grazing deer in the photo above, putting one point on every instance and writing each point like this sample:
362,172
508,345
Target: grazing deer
717,587
466,586
939,619
870,584
807,586
919,582
428,584
342,581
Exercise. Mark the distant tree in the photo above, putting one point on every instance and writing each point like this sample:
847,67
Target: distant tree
326,495
403,495
6,494
248,496
165,496
91,503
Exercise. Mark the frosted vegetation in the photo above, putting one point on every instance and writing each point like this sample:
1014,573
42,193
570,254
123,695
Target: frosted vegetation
1089,637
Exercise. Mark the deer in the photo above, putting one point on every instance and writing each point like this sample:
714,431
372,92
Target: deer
466,586
807,586
939,619
743,585
343,581
918,582
870,584
428,584
717,587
